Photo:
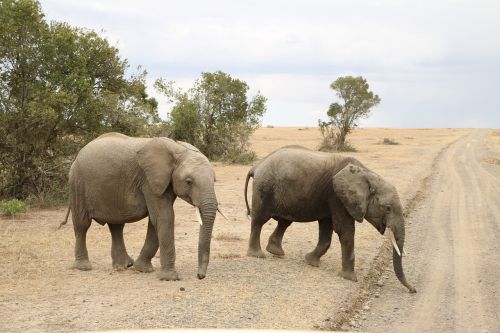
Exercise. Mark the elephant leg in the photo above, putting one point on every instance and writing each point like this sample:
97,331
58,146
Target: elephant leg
254,249
259,218
274,244
80,226
143,262
346,237
324,241
119,255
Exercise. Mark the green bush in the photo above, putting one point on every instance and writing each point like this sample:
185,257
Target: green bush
388,141
216,116
13,207
329,145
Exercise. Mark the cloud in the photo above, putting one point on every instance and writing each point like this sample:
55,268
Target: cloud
427,60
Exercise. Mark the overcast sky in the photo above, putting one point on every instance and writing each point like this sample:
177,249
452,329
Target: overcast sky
433,63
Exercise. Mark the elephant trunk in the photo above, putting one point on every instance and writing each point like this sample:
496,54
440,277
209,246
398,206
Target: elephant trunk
397,260
208,209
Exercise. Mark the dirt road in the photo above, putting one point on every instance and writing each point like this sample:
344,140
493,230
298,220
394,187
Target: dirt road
454,250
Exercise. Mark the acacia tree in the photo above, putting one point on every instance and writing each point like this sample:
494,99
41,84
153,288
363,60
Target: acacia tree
215,115
59,87
356,102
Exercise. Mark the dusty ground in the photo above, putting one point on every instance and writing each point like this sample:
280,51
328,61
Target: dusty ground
39,293
455,249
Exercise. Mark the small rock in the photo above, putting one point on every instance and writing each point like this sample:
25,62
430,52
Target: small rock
182,289
366,308
380,284
352,323
376,295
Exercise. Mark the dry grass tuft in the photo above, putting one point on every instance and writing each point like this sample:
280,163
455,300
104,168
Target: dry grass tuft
227,237
228,255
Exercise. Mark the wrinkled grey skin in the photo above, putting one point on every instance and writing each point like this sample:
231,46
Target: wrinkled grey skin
116,179
297,184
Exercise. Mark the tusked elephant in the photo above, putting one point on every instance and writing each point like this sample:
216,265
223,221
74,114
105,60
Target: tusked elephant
295,184
116,179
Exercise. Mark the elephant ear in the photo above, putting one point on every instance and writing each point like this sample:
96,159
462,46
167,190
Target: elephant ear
157,161
352,188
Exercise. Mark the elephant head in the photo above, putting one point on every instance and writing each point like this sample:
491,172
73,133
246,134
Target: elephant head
183,167
365,195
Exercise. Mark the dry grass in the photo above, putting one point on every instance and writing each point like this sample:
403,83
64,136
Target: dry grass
227,237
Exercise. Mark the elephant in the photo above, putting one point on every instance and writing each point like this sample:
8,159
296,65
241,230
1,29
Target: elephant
117,179
296,184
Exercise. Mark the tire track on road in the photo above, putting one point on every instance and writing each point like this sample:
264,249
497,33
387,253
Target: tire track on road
456,240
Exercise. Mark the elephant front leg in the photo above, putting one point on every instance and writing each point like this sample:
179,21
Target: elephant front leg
324,241
346,237
143,262
165,231
119,255
275,240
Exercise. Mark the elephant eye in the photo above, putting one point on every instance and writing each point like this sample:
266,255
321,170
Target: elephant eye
189,181
388,208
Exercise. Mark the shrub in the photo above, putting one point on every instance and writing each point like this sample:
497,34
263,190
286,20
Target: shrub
13,207
215,115
388,141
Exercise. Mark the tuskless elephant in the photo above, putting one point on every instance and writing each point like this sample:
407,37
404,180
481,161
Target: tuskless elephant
116,179
295,184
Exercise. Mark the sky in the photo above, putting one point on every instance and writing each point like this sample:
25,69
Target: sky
432,63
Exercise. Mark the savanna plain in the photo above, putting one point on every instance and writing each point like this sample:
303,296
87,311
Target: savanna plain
449,184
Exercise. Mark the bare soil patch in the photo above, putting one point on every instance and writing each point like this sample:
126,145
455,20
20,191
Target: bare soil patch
38,291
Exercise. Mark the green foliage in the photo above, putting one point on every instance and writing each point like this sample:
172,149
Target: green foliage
12,207
215,115
356,101
60,87
389,141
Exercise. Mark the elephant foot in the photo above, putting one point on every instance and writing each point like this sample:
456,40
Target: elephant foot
83,265
122,264
170,275
312,259
255,253
349,275
143,266
275,249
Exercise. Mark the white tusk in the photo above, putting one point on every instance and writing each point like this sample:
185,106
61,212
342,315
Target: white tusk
249,217
198,216
221,213
395,244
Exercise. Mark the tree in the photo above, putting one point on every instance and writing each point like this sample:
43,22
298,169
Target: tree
59,87
215,115
356,100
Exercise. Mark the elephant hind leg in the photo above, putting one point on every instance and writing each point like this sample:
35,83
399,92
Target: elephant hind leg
80,225
274,244
259,218
324,241
254,249
151,244
119,255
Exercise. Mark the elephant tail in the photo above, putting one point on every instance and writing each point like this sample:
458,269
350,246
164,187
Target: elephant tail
65,219
250,174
